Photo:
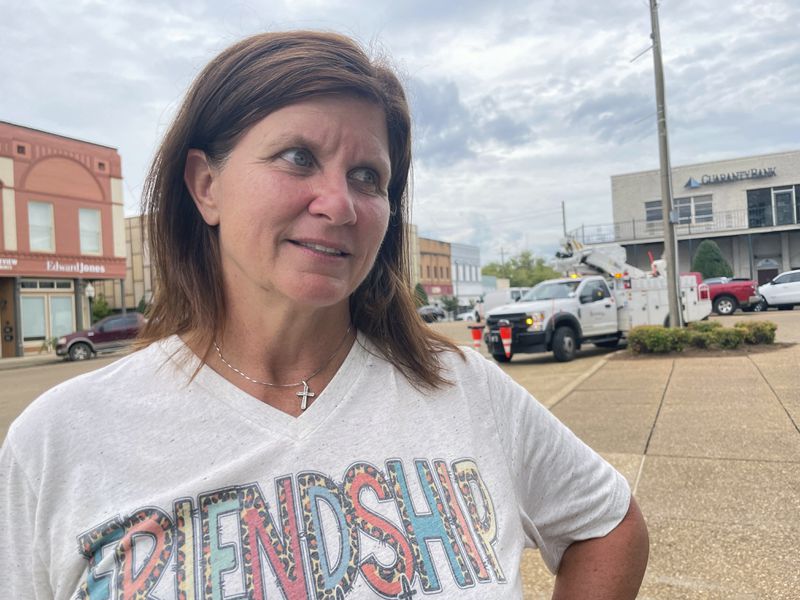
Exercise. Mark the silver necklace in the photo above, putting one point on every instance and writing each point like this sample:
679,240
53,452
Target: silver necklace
306,393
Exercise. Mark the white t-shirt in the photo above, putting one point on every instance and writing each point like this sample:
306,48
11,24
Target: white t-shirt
135,481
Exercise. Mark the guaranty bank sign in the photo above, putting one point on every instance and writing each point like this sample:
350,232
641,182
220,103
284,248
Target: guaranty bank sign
730,177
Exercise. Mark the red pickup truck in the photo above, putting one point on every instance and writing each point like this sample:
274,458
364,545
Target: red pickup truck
728,294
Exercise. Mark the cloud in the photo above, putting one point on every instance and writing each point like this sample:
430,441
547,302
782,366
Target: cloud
517,106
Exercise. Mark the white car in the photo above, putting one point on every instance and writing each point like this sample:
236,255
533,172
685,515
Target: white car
782,292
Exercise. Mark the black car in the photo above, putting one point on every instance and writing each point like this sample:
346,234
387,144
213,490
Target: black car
430,313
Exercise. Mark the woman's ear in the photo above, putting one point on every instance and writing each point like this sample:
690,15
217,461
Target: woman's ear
199,178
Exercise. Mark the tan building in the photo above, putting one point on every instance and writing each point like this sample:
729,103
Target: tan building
434,263
749,206
413,246
139,276
61,227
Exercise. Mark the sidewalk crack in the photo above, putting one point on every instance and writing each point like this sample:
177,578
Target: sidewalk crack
774,393
660,406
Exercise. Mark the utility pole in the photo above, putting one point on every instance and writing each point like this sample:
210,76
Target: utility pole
502,257
564,218
670,242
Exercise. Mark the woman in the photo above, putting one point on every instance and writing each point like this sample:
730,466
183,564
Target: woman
290,428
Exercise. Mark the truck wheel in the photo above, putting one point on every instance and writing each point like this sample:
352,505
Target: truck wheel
502,358
564,344
725,305
80,351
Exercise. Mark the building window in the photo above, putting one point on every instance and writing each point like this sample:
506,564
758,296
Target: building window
773,206
40,227
33,318
21,150
652,211
784,205
694,209
428,267
61,313
89,223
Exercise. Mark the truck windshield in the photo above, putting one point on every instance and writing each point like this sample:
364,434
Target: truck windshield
551,290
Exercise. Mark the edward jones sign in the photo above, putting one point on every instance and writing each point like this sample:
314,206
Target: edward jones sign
60,267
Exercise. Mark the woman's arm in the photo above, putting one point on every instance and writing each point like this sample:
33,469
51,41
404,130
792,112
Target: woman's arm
606,568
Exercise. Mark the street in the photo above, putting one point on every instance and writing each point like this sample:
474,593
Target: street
709,444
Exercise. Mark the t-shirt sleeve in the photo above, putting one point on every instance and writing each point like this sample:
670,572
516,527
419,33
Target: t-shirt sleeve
566,492
23,573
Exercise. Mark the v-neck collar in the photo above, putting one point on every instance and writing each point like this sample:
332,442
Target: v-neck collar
261,414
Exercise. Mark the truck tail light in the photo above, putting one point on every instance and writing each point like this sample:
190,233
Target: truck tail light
704,292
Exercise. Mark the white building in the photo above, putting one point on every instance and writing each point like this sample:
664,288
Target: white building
749,206
466,273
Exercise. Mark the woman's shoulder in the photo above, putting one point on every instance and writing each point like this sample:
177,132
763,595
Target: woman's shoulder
95,393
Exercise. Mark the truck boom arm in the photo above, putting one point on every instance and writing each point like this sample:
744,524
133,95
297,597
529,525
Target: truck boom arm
608,260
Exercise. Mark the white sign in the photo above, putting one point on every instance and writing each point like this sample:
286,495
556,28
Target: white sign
73,267
6,264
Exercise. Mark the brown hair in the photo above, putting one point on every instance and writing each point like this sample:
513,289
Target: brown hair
238,88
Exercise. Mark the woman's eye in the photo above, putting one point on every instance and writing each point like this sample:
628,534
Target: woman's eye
299,157
365,176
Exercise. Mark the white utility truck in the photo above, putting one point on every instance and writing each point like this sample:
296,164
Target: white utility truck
598,302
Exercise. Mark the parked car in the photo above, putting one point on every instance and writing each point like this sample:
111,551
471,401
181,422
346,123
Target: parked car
431,313
783,291
727,294
470,314
111,333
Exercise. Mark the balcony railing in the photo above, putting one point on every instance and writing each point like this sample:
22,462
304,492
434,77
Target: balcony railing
640,229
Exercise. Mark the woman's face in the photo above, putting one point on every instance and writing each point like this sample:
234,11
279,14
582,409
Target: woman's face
302,202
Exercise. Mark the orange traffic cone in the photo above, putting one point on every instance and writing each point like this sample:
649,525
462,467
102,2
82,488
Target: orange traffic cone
505,335
476,330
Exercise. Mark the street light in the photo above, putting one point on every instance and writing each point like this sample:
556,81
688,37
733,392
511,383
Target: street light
89,291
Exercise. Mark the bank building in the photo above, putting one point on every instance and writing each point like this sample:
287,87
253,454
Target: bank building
749,206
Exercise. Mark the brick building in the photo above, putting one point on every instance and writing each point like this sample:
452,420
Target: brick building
61,227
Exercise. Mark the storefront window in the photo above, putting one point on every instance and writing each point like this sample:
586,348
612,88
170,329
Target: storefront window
40,226
61,316
90,230
33,318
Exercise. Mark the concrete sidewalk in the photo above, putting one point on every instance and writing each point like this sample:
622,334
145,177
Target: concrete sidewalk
31,360
711,447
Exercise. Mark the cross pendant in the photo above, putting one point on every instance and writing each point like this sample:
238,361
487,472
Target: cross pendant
305,395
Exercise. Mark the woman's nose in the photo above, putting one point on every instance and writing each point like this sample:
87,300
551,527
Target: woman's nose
333,199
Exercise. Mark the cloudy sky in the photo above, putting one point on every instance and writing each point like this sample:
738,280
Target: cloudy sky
517,105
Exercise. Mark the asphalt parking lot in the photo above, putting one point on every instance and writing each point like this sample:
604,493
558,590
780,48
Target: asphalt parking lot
711,447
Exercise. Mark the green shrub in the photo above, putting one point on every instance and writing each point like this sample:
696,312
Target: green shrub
704,326
699,339
657,339
660,340
757,332
728,338
100,308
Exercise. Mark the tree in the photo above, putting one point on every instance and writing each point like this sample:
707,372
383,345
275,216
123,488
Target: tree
450,304
522,270
709,261
420,296
100,308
